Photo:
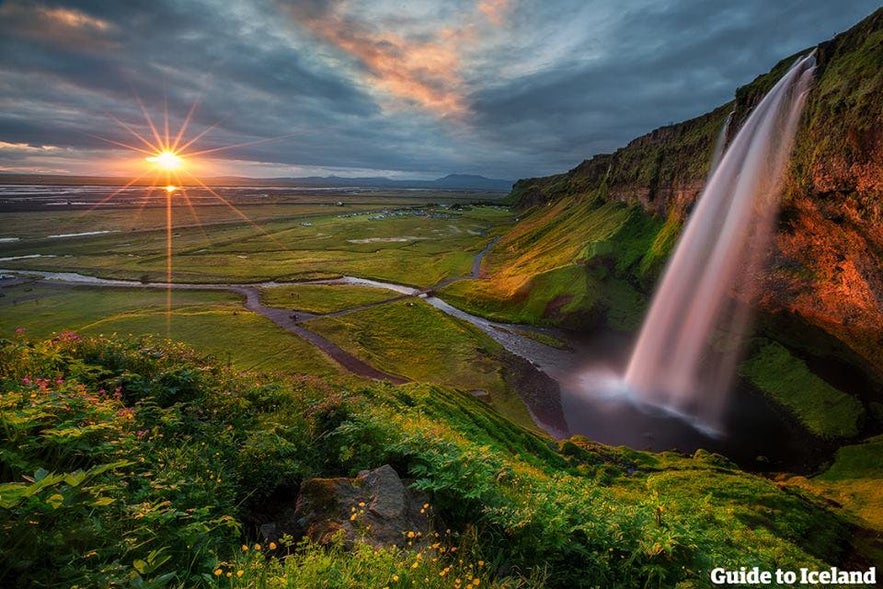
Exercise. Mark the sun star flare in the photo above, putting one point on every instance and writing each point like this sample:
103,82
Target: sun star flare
167,160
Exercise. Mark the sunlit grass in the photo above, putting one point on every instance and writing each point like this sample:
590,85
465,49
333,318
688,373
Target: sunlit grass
853,481
144,462
415,340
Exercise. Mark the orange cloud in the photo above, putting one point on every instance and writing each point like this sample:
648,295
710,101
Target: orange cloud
494,10
72,18
58,26
424,71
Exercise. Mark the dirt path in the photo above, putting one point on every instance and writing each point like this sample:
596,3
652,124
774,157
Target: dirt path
280,317
283,318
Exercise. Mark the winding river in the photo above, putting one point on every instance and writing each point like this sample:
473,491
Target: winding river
551,381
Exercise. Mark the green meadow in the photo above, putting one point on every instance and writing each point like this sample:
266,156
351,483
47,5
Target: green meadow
214,322
323,298
416,245
150,428
413,339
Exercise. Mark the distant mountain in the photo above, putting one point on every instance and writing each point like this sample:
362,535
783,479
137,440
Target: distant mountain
469,181
450,182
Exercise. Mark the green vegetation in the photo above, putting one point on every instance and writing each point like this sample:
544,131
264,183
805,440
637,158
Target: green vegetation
133,463
415,340
323,298
854,480
569,264
137,462
413,245
214,322
823,409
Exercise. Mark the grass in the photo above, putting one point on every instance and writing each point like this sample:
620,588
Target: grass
214,322
568,293
854,480
414,245
415,340
822,409
323,298
852,483
133,462
574,264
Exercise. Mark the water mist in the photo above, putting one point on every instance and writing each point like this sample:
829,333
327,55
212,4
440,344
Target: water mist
689,344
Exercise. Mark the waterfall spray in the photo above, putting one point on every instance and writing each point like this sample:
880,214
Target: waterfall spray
688,347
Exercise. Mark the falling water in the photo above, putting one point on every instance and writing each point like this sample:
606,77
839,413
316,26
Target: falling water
720,144
687,350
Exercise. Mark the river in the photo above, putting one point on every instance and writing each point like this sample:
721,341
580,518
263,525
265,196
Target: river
566,395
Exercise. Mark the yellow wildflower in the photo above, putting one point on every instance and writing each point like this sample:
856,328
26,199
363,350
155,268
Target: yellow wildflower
218,572
272,546
257,547
244,548
240,572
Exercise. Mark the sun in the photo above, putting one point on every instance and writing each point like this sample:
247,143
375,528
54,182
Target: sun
167,160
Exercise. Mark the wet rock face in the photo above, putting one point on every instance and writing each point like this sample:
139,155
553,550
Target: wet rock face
376,506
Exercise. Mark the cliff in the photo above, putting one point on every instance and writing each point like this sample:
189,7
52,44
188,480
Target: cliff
827,263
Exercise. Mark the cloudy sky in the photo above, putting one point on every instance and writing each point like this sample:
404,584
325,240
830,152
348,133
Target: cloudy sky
408,89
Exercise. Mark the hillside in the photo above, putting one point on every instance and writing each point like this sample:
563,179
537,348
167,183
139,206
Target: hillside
137,463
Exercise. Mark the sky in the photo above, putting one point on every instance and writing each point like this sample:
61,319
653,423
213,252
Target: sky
404,89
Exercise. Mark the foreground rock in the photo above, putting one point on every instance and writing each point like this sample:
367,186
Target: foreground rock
376,507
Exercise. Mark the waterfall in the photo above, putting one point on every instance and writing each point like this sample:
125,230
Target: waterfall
686,353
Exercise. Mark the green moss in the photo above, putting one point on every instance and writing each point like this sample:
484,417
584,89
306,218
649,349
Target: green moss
821,408
853,481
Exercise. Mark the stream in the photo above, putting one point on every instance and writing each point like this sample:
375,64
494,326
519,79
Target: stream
555,384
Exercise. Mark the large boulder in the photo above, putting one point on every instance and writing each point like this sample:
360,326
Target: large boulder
376,506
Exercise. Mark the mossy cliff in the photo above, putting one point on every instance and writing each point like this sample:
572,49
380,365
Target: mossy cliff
617,215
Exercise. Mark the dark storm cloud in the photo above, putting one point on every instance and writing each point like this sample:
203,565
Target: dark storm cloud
505,88
659,63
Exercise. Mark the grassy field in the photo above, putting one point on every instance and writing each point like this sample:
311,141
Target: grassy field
417,245
854,480
323,298
213,322
413,339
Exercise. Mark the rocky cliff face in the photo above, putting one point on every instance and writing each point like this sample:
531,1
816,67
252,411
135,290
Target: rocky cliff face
827,262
